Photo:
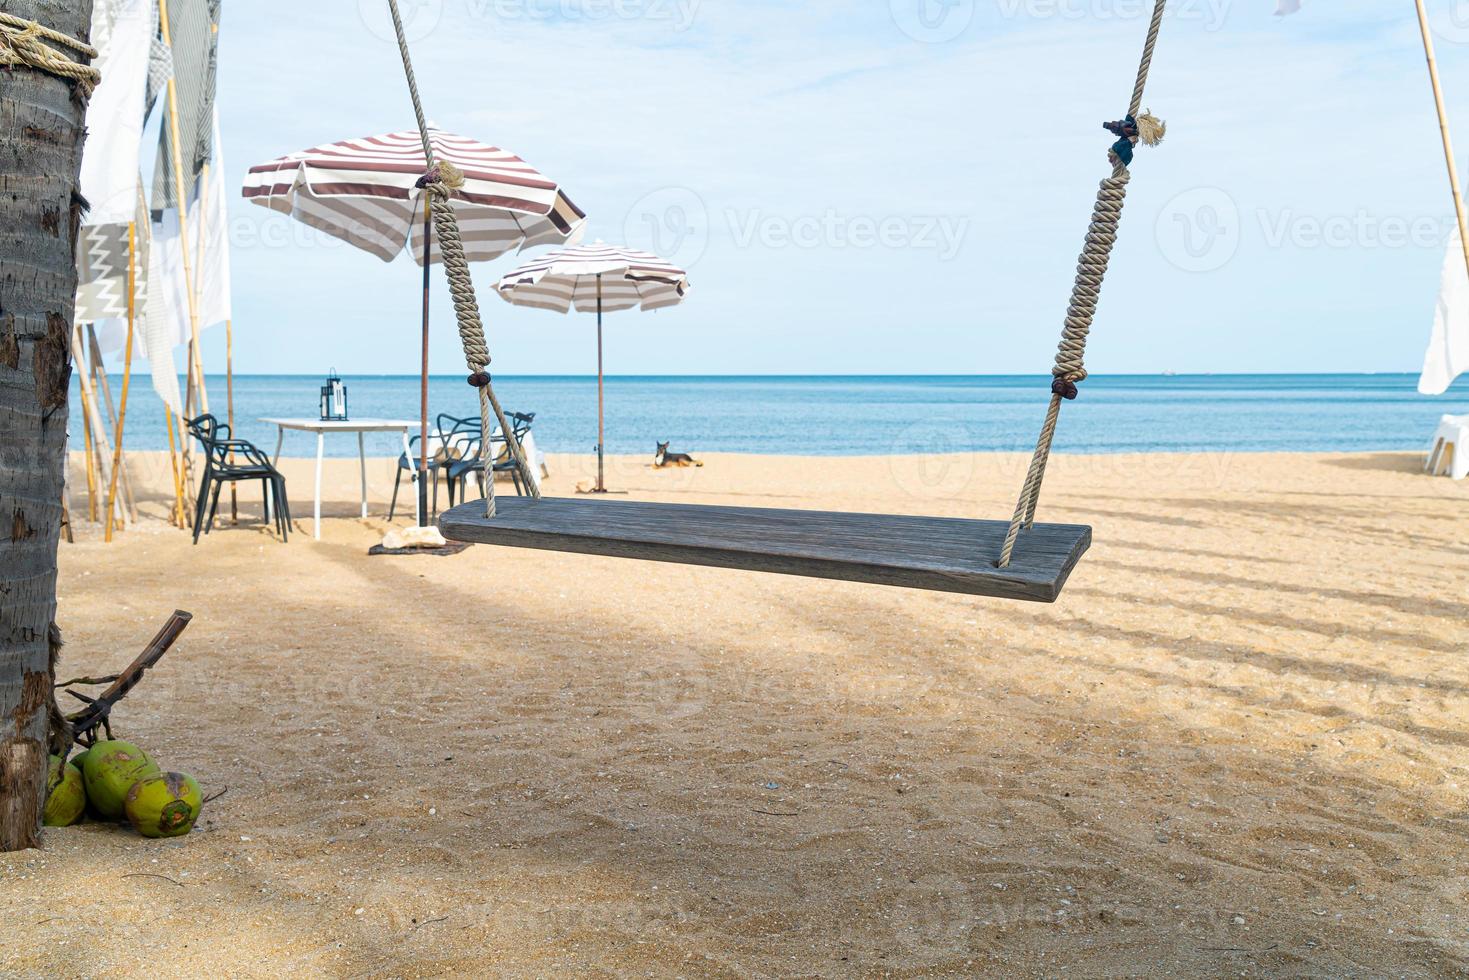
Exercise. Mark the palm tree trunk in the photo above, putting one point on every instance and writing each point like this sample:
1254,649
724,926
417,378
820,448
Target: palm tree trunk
41,135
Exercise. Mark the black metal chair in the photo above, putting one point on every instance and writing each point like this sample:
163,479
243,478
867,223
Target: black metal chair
459,471
230,460
451,439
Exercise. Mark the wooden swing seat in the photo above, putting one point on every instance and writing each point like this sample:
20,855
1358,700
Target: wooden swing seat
941,554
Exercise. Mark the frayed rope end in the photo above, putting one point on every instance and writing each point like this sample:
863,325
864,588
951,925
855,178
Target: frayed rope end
1150,129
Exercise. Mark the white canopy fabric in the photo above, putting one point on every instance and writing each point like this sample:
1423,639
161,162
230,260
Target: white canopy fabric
122,31
568,277
1448,347
365,192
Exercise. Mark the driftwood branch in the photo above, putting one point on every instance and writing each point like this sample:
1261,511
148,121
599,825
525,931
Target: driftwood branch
98,710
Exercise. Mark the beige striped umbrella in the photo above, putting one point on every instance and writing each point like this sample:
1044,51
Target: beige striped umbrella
600,278
366,192
369,192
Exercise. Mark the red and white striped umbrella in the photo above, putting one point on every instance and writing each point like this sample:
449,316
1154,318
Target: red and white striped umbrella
598,278
365,192
571,277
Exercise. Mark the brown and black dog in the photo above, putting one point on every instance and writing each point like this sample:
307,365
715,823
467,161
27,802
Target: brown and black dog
662,457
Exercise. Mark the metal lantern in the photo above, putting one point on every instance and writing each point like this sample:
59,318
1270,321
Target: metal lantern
333,399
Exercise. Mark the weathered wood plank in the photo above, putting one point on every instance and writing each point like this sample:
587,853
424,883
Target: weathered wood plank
942,554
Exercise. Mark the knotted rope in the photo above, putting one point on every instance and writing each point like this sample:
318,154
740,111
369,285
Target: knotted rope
25,43
440,182
1070,367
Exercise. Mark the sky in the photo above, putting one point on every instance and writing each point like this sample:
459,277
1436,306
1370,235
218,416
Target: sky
877,187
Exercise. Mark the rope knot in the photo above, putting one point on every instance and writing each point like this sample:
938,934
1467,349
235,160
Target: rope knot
479,379
1130,130
1065,387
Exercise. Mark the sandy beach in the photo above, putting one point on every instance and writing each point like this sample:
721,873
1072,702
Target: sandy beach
1238,744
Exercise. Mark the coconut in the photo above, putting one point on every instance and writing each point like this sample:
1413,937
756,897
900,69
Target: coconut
79,759
164,805
65,796
109,772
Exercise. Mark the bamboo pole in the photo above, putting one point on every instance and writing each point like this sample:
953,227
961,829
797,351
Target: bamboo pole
183,203
127,377
1443,128
102,386
97,442
180,513
200,233
229,394
91,473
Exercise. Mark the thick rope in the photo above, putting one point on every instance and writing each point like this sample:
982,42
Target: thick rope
1070,367
26,44
440,182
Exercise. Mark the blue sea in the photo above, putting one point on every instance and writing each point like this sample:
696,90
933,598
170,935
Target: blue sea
869,415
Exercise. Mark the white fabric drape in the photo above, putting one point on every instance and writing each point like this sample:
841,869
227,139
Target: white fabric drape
209,234
160,330
122,31
1448,347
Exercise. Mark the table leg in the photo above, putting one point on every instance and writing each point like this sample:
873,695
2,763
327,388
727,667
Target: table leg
280,437
413,468
316,512
362,458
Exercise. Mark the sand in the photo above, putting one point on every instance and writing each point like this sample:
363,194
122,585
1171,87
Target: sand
1238,745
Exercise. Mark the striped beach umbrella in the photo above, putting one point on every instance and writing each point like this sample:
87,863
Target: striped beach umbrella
596,278
369,193
366,192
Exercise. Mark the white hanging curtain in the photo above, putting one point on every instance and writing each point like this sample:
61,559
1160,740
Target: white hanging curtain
122,31
1448,347
209,234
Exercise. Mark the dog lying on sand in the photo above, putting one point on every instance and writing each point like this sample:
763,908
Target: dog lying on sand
663,458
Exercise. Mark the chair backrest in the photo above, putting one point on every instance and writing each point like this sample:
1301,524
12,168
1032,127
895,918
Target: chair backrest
521,422
211,433
459,437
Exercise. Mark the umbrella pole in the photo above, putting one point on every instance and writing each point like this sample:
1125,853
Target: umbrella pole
1443,126
428,230
601,399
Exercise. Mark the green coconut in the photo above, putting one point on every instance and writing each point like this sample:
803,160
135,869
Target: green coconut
164,805
78,760
65,796
110,770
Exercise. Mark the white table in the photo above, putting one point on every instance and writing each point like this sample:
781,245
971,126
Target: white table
359,426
